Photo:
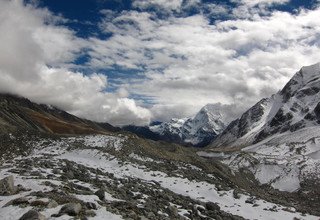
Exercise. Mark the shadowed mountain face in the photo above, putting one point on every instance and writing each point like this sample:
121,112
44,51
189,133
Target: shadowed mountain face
17,113
197,131
295,107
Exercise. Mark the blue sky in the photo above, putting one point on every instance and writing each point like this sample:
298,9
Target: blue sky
141,60
84,17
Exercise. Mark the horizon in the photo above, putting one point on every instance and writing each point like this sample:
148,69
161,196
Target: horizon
133,62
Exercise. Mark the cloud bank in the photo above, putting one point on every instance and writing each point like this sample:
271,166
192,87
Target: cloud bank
179,62
188,61
34,60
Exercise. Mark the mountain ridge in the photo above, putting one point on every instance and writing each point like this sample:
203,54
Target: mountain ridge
18,113
292,108
196,131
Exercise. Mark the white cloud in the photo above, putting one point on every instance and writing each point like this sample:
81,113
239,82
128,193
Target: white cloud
262,2
184,62
33,60
169,5
188,61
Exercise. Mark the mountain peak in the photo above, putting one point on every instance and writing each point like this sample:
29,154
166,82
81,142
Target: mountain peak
311,70
211,110
293,108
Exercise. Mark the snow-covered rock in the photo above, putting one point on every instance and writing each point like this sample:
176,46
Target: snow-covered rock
197,131
295,107
279,136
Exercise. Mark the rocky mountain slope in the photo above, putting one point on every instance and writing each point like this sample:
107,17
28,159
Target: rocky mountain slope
117,175
18,113
295,107
196,131
278,139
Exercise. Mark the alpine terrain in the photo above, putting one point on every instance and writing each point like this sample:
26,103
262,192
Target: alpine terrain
197,131
57,166
278,138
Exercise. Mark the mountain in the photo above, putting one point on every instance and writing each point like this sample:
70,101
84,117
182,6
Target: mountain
295,107
93,173
193,131
278,139
18,113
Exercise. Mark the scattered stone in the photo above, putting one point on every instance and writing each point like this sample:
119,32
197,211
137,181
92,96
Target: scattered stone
56,171
39,203
72,209
70,174
17,201
7,186
90,213
32,215
52,204
173,211
101,194
236,194
273,209
91,205
151,215
250,200
212,206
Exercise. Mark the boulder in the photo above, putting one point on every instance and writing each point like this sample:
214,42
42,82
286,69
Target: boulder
212,206
32,215
101,194
7,186
72,209
52,204
17,201
91,205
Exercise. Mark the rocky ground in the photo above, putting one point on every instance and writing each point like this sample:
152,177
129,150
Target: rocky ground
120,176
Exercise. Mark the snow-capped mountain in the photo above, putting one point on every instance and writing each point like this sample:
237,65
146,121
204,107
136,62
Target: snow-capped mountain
196,131
277,140
295,107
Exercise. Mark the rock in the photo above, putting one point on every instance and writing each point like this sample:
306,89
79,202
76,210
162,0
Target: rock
151,215
72,209
39,203
32,215
173,211
56,171
101,194
250,200
7,186
52,204
212,206
70,174
17,201
236,194
91,205
132,215
90,213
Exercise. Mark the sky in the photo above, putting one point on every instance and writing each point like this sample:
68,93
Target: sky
136,61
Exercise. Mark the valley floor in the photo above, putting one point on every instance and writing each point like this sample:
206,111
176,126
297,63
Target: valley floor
112,177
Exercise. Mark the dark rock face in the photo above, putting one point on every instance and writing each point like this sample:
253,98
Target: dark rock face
17,113
143,132
32,215
101,194
251,116
294,107
317,111
280,118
